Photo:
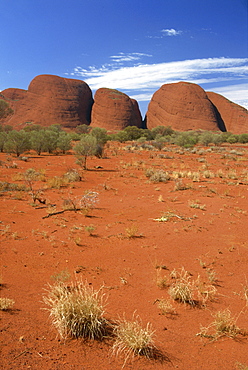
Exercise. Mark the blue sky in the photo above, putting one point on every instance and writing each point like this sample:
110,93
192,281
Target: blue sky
134,46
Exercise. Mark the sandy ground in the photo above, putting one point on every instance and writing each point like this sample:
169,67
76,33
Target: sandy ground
204,231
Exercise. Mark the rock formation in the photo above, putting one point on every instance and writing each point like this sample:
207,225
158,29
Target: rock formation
50,100
234,116
114,110
183,106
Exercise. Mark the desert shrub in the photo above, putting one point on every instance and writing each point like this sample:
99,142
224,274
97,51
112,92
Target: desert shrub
185,139
74,136
243,138
3,138
38,141
55,127
31,175
83,129
6,304
77,310
147,134
232,139
217,139
133,132
57,182
83,203
141,139
7,186
72,175
64,142
206,138
88,200
5,128
5,109
51,140
132,339
87,147
30,127
120,136
100,134
162,131
17,142
157,175
159,142
223,325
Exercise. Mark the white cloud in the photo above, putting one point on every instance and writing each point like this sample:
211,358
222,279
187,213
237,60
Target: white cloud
171,32
237,93
150,76
142,80
128,57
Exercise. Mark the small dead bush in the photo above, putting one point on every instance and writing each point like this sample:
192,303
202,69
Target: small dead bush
7,186
166,307
57,182
224,325
157,175
72,175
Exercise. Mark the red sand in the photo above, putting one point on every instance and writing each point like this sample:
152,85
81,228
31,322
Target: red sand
35,249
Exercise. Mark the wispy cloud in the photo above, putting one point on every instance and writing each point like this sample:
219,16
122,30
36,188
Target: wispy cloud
237,93
142,80
128,57
171,32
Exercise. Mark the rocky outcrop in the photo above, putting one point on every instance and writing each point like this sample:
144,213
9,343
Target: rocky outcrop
114,110
234,116
50,100
183,106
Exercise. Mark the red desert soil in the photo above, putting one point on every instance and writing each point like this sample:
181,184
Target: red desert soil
206,231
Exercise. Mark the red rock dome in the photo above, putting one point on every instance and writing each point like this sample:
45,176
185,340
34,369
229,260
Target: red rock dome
183,106
114,110
234,116
50,100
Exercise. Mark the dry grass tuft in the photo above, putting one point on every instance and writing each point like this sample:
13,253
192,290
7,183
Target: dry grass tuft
6,304
77,310
132,339
193,292
182,289
224,325
166,307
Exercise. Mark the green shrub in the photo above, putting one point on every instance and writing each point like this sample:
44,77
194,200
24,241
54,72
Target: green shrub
185,139
5,109
232,139
64,142
243,138
133,132
100,134
38,141
18,142
206,138
87,147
